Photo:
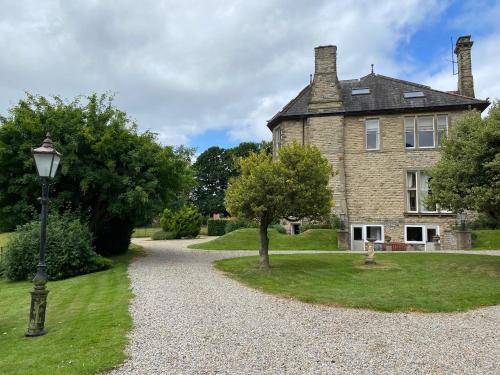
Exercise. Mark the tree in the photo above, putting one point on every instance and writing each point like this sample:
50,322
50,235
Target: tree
213,169
112,175
294,186
467,177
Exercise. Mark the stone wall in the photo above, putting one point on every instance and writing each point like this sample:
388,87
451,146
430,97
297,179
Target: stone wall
375,180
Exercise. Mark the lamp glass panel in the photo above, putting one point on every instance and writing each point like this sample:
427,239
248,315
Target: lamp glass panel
55,165
43,162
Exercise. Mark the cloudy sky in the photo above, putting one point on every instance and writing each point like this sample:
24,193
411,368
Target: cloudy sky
212,72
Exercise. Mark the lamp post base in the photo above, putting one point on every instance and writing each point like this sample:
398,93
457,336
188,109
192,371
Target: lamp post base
36,325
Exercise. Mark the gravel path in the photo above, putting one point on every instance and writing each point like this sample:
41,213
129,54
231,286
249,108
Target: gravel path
190,319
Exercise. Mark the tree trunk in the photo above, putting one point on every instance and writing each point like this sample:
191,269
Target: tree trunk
264,245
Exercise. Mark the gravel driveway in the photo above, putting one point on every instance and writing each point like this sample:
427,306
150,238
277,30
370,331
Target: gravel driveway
190,319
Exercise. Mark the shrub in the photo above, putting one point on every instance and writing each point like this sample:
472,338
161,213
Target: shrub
112,237
162,235
234,224
184,223
280,228
166,220
216,227
69,250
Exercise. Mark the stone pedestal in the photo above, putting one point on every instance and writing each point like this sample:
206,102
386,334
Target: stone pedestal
464,239
370,249
343,239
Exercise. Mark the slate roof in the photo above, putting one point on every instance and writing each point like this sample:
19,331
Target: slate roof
386,95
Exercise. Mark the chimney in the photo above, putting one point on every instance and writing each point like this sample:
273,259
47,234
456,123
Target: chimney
465,80
325,93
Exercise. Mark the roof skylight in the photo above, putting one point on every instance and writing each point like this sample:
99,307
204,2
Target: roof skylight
360,91
413,94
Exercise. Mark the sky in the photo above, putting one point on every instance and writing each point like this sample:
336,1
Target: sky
204,73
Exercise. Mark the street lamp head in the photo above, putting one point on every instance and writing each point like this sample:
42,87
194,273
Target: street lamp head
46,158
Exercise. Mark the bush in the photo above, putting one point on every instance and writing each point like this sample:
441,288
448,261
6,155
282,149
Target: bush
184,223
234,224
280,228
216,227
112,237
162,235
69,250
166,220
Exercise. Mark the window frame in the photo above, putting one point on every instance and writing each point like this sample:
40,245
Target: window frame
435,131
278,138
377,134
364,232
424,228
417,189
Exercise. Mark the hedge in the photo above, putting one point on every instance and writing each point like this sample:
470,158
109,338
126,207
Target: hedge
217,227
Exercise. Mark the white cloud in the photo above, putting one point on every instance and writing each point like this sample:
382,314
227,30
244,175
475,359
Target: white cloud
185,68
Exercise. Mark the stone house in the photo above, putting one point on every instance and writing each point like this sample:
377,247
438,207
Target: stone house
380,134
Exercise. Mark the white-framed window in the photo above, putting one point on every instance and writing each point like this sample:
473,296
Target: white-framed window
361,232
278,137
425,131
420,233
372,134
442,128
417,190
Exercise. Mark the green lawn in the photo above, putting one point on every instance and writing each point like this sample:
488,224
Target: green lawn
87,322
486,239
248,239
398,282
144,232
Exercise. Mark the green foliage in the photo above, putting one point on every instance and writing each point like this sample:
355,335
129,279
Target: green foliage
235,223
69,250
216,227
162,235
213,169
294,186
113,175
166,220
186,222
467,177
484,221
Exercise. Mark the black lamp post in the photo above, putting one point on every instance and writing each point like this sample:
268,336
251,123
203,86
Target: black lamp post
46,160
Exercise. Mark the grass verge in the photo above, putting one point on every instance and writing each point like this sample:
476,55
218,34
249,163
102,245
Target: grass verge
248,239
87,322
486,239
398,282
144,232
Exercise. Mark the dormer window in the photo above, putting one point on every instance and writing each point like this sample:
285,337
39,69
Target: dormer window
413,94
360,91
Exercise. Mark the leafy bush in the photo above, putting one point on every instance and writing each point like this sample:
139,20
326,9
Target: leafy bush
69,250
216,227
166,220
184,223
280,228
113,236
234,224
162,235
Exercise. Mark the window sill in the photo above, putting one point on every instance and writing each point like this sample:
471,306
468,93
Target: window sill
448,214
422,148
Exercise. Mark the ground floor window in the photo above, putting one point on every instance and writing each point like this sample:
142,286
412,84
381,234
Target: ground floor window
362,232
420,233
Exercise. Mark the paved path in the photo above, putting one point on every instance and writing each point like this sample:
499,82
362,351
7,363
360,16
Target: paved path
190,319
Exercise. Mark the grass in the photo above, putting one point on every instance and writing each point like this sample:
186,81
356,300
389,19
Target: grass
144,232
87,322
398,282
248,239
486,239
